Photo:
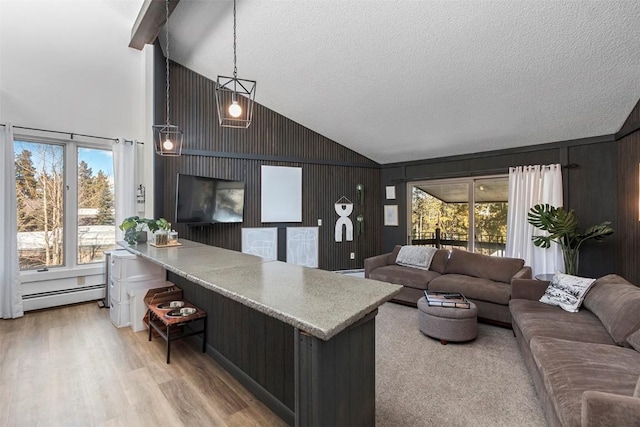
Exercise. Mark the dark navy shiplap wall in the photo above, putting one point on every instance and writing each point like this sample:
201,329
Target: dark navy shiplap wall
603,185
329,171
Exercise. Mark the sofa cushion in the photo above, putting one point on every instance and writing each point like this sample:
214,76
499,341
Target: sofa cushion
393,256
472,287
567,291
535,319
636,393
483,266
407,276
616,302
634,340
569,368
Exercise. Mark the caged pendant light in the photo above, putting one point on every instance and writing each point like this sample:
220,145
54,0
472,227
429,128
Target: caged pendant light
167,138
235,97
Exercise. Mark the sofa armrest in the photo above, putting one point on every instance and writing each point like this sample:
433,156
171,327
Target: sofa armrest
600,409
530,289
374,262
524,273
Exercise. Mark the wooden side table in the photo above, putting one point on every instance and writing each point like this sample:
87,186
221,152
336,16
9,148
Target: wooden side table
158,318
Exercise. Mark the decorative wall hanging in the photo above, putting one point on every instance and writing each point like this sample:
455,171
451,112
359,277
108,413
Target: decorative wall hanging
360,225
302,246
281,194
344,208
262,242
360,194
390,192
391,215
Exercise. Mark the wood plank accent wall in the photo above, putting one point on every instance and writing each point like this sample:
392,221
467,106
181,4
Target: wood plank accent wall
589,187
329,171
629,199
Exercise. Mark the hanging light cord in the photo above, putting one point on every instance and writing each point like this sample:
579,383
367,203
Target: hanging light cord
235,68
166,4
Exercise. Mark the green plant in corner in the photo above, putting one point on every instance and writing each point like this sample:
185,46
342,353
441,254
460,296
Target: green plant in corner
134,228
562,227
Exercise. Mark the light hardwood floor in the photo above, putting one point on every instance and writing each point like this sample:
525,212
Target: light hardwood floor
70,366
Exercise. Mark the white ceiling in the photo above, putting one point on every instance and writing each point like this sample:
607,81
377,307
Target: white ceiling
407,80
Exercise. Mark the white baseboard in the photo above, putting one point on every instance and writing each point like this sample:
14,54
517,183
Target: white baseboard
35,302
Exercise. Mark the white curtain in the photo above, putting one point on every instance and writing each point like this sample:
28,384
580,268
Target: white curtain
10,288
124,167
529,186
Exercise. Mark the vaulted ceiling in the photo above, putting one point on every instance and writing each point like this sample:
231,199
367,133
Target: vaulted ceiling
407,80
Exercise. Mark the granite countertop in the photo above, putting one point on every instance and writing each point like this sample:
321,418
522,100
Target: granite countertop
318,302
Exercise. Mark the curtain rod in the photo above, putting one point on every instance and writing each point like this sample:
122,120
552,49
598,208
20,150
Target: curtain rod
468,174
73,133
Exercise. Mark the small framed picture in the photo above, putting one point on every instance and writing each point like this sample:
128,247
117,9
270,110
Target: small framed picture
391,192
391,215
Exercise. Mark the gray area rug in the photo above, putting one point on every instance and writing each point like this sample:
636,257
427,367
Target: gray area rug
420,382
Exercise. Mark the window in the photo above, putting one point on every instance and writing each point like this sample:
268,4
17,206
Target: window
40,201
440,214
96,214
65,203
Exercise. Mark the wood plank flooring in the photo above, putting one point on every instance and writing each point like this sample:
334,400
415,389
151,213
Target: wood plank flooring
70,366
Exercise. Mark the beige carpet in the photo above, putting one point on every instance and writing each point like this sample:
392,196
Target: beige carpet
420,382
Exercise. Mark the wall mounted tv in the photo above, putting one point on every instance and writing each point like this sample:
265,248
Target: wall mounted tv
203,200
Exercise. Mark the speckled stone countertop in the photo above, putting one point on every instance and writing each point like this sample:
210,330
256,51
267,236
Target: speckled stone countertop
318,302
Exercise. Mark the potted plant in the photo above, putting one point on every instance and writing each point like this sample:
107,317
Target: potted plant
159,228
562,227
134,229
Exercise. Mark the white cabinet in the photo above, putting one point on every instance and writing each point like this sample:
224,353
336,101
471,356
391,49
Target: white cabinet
129,272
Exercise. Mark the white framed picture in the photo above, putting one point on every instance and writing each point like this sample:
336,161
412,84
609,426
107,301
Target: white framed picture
391,215
281,193
391,192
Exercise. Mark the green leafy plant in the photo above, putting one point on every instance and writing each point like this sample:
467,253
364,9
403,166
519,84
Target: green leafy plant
562,227
134,227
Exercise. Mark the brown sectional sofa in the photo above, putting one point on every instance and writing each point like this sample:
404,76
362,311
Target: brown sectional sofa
483,279
583,364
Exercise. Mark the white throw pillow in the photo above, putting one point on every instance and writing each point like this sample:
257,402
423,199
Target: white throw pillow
567,291
416,256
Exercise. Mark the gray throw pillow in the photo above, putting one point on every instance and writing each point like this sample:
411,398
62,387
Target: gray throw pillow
567,291
634,340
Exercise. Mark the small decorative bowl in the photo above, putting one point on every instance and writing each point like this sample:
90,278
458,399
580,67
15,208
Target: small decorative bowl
176,304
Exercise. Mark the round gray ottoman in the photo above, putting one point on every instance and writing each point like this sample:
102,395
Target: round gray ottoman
448,323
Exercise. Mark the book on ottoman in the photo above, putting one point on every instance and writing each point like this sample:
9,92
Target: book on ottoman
446,299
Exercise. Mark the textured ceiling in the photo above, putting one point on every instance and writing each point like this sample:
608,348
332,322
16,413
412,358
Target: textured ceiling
407,80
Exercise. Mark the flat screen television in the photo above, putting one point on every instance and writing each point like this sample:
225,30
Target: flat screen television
203,200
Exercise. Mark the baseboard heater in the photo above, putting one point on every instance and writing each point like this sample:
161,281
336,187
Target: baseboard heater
57,298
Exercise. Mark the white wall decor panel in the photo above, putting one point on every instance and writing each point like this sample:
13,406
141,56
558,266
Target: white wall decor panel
262,242
281,194
302,246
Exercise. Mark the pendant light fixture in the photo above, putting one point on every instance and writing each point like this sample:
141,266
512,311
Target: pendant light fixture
235,97
167,138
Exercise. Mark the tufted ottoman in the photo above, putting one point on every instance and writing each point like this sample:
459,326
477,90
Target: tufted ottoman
448,323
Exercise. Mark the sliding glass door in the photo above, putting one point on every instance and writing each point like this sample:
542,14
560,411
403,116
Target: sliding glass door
441,215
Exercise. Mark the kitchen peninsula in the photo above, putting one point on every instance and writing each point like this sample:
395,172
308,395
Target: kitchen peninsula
302,340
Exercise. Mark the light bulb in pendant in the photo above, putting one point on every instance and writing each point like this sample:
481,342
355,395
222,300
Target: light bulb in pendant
167,145
235,109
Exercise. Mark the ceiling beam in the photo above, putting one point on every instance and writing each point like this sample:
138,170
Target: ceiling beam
151,18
